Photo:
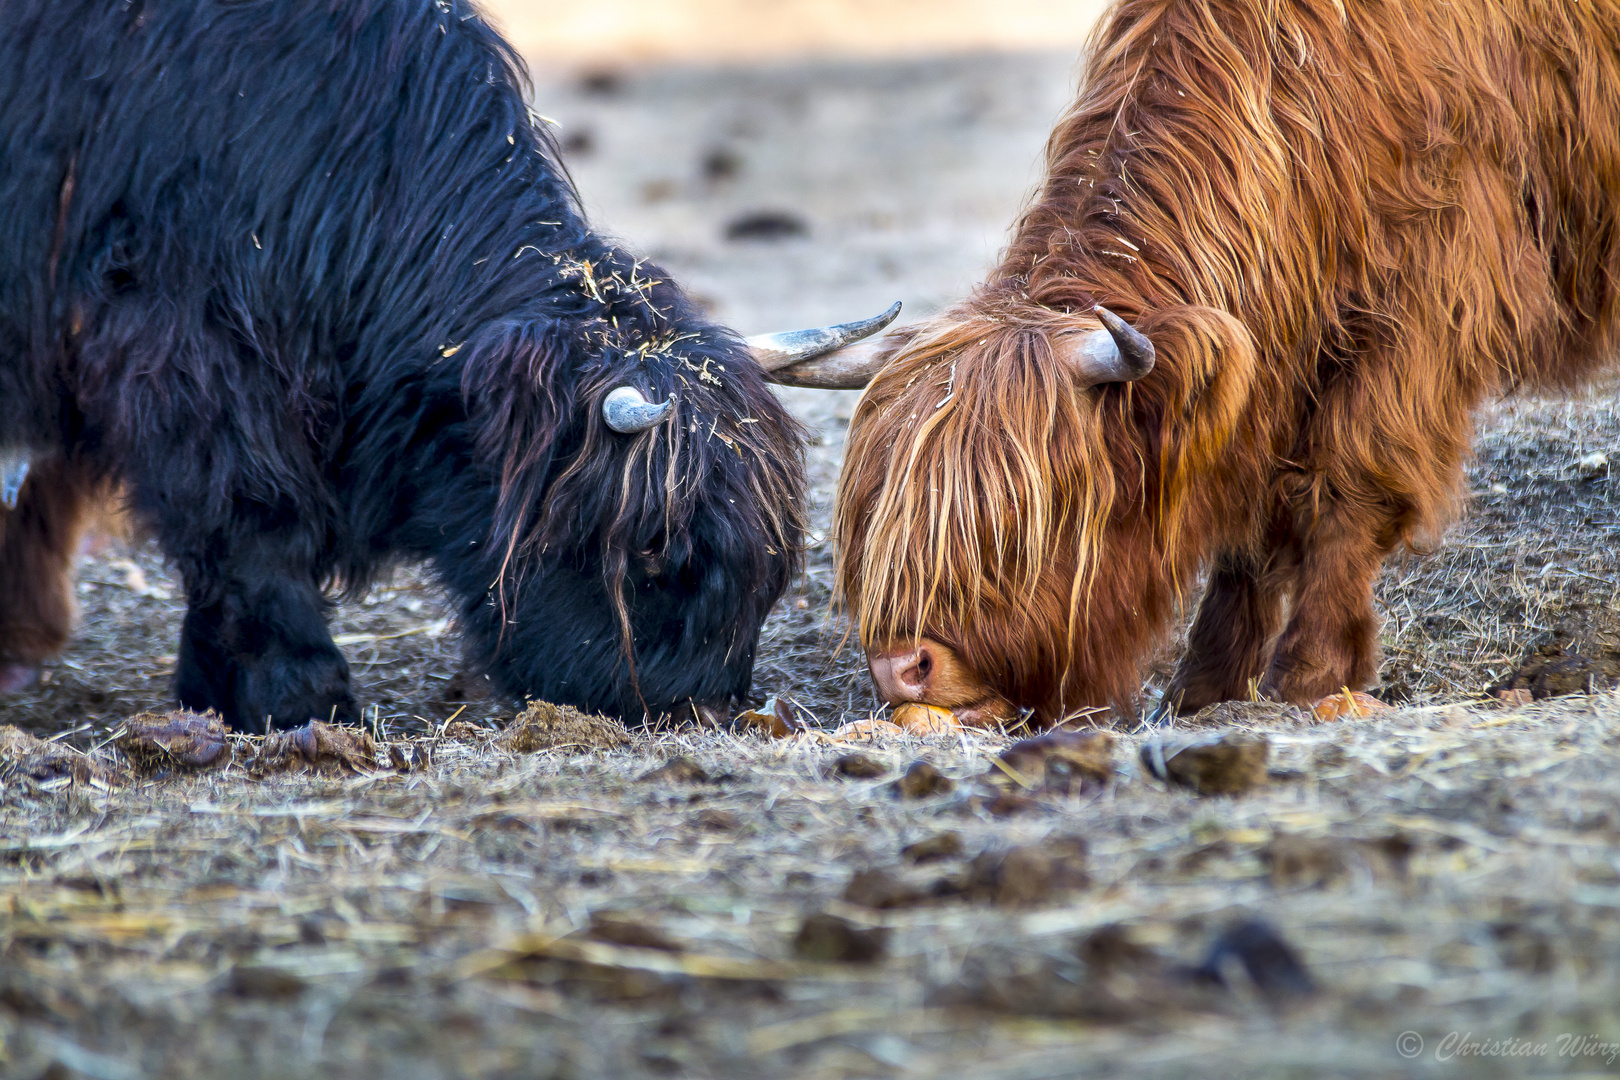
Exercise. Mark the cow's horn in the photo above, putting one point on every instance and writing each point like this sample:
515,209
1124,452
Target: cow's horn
1116,353
777,351
628,411
13,471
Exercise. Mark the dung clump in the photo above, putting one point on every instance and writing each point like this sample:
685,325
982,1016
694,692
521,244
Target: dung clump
178,739
544,726
35,764
317,746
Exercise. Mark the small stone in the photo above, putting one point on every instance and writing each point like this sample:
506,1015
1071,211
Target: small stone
923,781
945,845
831,939
1593,465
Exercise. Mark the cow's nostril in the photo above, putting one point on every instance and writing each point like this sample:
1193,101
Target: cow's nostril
915,673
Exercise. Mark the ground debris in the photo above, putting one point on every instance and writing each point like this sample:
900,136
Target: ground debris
1224,764
944,845
1025,876
714,819
858,766
178,739
1225,714
679,769
1258,949
589,953
35,764
1552,670
1004,804
922,780
1134,986
1110,977
544,726
464,731
880,888
1061,762
828,938
317,745
618,928
1296,861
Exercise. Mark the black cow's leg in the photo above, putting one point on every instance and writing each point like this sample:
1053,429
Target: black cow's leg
255,648
1229,643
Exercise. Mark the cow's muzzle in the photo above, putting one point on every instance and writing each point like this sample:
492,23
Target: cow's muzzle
933,673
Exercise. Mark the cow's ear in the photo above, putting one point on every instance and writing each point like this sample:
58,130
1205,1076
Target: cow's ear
1206,382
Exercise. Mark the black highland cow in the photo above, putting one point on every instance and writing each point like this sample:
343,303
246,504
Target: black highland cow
305,278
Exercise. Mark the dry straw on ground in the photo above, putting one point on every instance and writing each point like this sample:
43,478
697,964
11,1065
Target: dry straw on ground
450,908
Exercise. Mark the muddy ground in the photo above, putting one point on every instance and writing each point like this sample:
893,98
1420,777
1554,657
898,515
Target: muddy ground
473,908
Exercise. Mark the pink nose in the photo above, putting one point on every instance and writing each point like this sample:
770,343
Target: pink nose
902,676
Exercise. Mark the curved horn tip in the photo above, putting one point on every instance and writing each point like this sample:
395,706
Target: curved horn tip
627,410
780,350
13,472
1134,347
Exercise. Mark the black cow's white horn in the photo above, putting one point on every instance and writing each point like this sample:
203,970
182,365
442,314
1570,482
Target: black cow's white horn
1116,353
777,351
628,411
13,471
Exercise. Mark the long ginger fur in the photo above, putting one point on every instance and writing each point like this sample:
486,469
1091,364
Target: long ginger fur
1343,225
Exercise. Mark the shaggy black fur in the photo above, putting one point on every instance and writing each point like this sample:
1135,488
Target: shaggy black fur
305,276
